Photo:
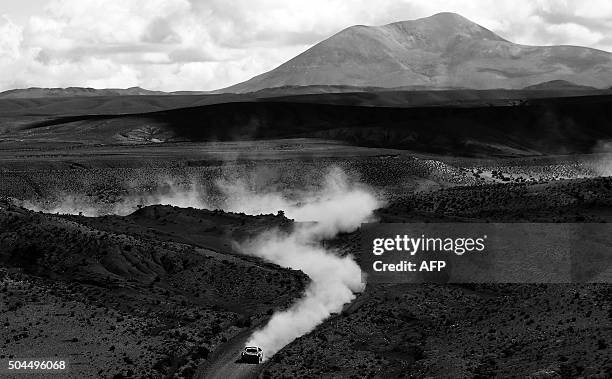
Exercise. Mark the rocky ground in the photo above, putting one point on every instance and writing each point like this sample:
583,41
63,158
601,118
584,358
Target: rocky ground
468,331
153,293
117,297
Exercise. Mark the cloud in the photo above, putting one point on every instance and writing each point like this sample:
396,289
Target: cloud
10,39
581,35
199,45
338,205
160,31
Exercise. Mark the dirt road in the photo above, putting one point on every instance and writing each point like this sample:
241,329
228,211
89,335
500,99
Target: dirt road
223,363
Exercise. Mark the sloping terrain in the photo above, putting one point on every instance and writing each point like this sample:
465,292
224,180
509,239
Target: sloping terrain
119,296
558,85
27,110
441,51
35,92
469,330
438,98
166,294
567,201
533,127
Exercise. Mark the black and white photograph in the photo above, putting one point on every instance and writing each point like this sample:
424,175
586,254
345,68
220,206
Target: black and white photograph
224,189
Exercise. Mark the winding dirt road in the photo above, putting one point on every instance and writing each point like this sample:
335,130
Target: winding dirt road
223,362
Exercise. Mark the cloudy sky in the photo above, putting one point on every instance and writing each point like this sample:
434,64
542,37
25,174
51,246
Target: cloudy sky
209,44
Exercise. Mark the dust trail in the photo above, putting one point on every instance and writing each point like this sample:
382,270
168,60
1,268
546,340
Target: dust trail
168,192
339,206
603,164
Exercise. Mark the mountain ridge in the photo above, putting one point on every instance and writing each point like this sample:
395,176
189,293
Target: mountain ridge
42,92
443,50
558,85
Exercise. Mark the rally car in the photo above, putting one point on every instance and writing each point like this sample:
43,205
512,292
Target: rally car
252,354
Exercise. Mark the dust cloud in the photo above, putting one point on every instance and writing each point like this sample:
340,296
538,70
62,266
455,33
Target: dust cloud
168,192
603,164
338,206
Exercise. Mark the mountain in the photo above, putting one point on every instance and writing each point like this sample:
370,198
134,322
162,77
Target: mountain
35,92
444,50
558,85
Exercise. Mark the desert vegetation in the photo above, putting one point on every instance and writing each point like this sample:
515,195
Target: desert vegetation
124,301
165,289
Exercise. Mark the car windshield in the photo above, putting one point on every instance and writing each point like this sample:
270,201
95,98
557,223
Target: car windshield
251,350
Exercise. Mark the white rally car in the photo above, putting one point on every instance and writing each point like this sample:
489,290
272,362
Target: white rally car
251,354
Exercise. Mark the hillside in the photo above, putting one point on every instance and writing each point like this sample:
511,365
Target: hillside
124,295
506,128
558,85
24,110
441,51
38,92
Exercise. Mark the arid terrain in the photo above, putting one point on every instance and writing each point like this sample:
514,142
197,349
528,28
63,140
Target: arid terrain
160,291
125,296
164,233
121,252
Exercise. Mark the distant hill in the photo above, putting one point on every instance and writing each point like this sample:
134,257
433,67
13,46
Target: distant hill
445,50
36,92
324,89
16,111
563,85
537,126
